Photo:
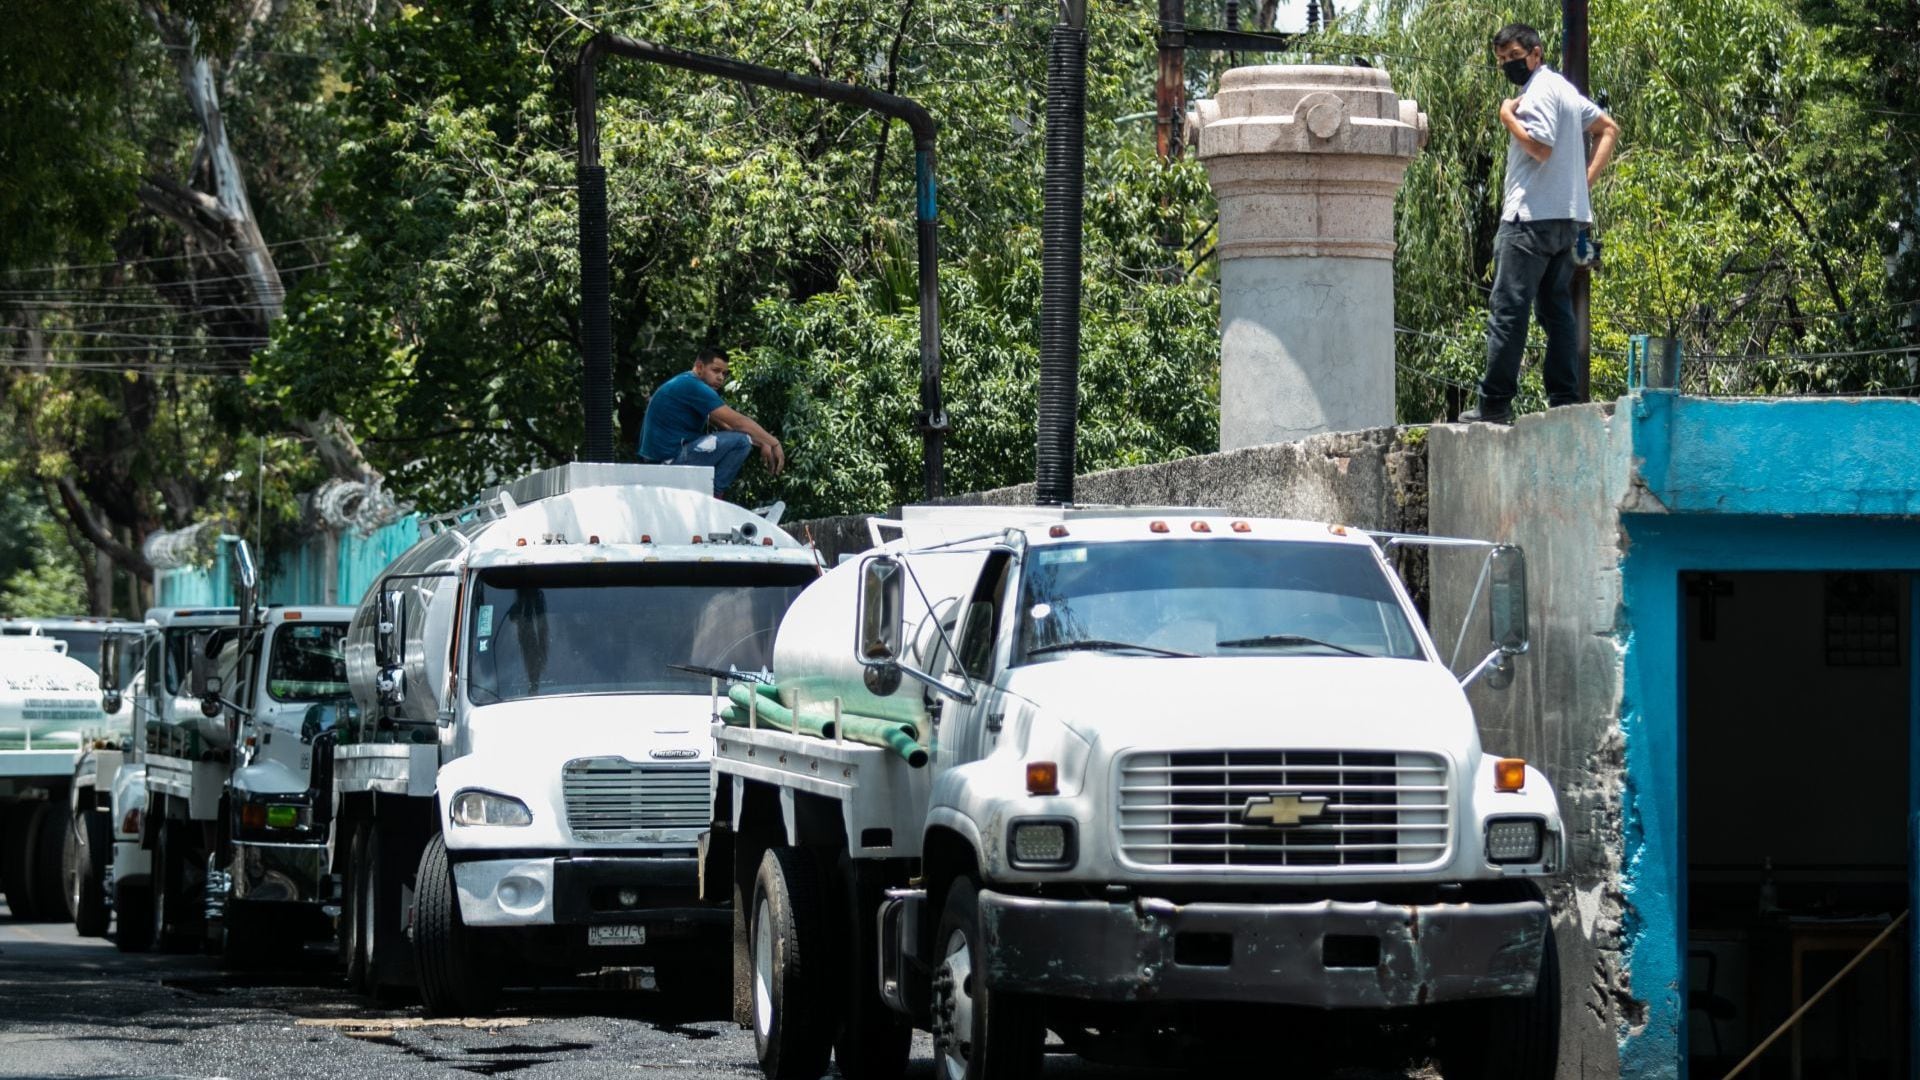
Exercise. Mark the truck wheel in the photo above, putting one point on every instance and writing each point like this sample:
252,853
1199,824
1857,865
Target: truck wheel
49,849
977,1033
133,916
793,984
174,896
455,979
1507,1038
90,848
353,913
16,860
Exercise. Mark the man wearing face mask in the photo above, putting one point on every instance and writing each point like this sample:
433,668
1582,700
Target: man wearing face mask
1546,206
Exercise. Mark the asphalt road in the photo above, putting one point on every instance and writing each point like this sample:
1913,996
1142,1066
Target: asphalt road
78,1007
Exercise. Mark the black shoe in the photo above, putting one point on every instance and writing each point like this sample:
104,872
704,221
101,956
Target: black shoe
1487,415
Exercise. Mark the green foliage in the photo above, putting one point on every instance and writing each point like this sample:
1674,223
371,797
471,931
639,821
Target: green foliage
51,584
777,226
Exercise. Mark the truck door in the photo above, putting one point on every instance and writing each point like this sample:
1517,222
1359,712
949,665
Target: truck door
970,732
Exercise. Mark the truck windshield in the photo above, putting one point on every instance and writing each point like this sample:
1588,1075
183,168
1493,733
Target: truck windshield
1210,598
307,662
550,630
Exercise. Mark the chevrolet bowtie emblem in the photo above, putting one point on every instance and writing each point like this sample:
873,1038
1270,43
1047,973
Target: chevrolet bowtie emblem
1283,809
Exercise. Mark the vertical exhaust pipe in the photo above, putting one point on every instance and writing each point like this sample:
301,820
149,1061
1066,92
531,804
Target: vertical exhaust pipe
1060,258
596,286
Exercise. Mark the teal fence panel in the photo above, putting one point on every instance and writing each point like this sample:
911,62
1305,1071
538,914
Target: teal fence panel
299,575
363,558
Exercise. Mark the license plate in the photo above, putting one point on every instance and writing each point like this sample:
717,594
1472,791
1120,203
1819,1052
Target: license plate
616,935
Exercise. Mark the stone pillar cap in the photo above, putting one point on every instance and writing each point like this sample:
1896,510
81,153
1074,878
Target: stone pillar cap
1308,108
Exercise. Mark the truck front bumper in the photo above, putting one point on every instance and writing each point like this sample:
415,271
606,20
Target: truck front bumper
269,873
1329,954
582,892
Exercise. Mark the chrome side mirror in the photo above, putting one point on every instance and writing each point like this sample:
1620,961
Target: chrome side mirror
386,636
1507,600
391,682
110,702
210,695
882,598
110,674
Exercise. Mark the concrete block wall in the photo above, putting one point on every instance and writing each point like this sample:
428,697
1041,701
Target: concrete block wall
1555,484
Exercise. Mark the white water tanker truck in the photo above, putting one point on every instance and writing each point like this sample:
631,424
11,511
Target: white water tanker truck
49,713
1132,776
524,785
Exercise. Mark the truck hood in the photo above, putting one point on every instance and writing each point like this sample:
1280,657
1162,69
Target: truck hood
1117,702
545,733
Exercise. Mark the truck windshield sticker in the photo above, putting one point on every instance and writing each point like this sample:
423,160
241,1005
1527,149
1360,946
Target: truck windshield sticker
483,625
1057,556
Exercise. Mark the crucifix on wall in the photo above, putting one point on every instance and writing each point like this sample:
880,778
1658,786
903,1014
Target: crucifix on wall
1708,589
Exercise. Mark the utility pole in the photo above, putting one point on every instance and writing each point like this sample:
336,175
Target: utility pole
1573,61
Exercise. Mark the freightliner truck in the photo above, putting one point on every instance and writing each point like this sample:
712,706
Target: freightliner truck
48,715
1129,776
523,787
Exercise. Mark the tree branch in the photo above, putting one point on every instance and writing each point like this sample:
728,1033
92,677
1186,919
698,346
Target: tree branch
77,512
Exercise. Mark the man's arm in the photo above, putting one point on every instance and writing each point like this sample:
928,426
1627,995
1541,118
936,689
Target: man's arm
1510,119
771,452
1605,132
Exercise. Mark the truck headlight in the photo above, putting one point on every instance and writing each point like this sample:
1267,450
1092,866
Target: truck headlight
1041,843
476,807
1514,839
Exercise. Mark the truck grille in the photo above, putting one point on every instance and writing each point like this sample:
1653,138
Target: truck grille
613,799
1256,810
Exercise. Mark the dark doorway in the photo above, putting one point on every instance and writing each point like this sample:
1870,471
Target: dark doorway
1797,694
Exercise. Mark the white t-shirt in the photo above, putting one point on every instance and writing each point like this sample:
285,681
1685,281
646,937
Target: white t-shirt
1554,113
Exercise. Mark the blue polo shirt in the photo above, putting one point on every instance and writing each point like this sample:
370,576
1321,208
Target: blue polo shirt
676,413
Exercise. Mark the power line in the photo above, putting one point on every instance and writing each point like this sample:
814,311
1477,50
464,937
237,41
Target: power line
63,267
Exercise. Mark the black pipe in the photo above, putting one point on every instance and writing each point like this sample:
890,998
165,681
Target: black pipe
932,418
1060,256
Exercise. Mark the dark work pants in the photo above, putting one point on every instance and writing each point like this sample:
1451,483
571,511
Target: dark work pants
1533,269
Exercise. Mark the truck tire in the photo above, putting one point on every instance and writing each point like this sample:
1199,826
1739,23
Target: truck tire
793,980
16,860
133,917
1507,1038
49,851
873,1042
176,924
89,850
353,914
455,978
978,1034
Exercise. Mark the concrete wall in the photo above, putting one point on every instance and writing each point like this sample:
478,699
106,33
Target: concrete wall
1554,484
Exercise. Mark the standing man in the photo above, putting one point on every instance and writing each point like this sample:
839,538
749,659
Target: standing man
1546,207
675,429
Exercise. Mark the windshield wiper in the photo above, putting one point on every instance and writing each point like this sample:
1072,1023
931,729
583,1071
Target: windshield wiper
1287,639
1102,643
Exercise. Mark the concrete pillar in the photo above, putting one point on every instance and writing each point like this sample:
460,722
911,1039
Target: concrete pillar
1305,161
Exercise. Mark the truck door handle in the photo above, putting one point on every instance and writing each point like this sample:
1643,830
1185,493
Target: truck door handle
995,720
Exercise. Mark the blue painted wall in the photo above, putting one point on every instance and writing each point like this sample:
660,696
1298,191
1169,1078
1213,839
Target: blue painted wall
298,576
1748,485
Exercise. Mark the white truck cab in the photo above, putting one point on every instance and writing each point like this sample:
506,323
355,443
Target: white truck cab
49,717
1177,763
527,776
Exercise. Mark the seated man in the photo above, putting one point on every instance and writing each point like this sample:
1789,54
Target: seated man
675,429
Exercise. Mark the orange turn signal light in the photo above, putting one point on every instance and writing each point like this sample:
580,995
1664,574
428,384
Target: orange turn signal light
1043,778
1509,774
253,816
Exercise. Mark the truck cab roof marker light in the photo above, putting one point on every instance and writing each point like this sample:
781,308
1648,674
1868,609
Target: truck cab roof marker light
1510,774
1337,530
522,542
1200,527
1242,527
593,538
646,538
1057,531
1158,527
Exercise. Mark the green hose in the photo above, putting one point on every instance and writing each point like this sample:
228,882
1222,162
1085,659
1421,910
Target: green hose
814,721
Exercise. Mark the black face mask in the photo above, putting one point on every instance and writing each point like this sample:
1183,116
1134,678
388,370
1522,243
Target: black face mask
1516,70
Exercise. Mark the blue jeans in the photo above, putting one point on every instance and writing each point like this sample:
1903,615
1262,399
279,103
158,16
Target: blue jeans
725,451
1533,269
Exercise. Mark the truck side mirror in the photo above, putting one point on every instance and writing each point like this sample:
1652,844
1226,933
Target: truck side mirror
197,666
110,674
210,695
1507,600
389,647
882,597
246,581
